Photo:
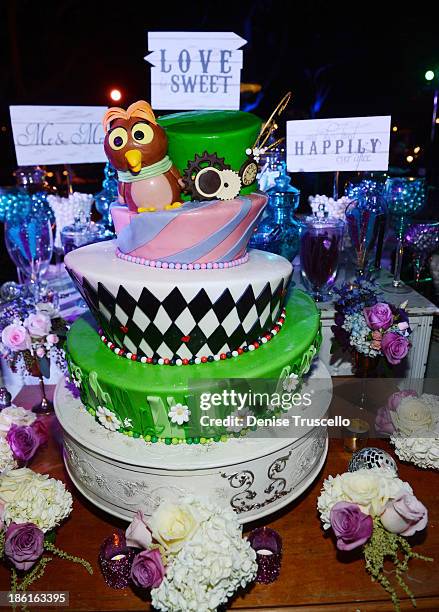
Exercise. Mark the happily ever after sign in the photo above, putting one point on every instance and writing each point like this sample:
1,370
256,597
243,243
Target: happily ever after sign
352,143
195,70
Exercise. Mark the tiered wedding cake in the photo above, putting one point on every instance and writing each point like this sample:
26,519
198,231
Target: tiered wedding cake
181,310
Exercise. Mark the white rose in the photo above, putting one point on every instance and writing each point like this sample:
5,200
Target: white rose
15,415
412,415
173,524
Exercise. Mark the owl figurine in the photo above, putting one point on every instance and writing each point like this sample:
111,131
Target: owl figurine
137,147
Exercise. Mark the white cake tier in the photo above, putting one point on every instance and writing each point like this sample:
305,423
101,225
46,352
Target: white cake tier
257,475
163,313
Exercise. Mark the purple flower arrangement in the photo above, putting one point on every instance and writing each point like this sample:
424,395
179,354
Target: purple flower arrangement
32,336
373,511
181,549
21,435
368,326
32,505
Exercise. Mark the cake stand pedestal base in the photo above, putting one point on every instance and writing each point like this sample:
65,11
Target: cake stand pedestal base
257,475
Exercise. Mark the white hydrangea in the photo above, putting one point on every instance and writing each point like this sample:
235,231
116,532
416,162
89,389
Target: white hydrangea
211,565
7,460
15,415
370,489
422,451
34,498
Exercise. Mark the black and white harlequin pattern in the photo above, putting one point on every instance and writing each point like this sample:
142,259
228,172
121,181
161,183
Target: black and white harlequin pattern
180,326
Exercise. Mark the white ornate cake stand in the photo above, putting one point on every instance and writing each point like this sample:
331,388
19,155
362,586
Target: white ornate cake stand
256,475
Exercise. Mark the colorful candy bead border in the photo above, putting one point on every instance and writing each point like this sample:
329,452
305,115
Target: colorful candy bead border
154,263
176,361
152,439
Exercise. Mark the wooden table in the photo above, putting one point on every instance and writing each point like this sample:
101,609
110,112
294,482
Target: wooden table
313,577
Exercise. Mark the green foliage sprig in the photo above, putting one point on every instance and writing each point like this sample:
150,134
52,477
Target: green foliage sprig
382,545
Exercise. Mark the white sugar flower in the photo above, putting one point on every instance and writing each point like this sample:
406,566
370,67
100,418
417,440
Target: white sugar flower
107,418
127,422
211,565
290,382
15,415
370,489
179,413
7,460
34,498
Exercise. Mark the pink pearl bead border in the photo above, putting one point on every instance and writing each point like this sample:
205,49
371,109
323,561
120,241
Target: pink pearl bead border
153,263
252,346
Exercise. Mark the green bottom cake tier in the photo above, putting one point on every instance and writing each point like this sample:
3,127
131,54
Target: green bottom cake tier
163,402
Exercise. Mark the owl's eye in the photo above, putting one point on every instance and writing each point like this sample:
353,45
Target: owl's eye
142,133
118,138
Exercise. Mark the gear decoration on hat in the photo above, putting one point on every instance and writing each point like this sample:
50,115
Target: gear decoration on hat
248,171
209,165
231,185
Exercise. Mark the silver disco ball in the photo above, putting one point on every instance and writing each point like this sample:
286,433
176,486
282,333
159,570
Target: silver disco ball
371,457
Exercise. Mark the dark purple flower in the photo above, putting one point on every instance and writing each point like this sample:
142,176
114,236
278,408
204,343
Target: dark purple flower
395,347
24,545
147,571
352,527
378,316
24,441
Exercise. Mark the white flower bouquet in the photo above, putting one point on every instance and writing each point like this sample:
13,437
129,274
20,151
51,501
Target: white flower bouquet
32,505
190,554
375,510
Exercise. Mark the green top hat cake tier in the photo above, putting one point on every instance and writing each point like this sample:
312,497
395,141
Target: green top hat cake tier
223,134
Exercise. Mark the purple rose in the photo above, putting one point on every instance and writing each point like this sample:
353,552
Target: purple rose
147,571
404,515
378,316
24,441
16,338
383,421
351,526
394,347
38,324
396,398
24,545
138,534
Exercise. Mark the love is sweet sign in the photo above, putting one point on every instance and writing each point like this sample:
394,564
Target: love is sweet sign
58,134
195,70
353,143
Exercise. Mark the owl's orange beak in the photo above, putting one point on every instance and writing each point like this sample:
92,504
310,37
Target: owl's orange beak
134,159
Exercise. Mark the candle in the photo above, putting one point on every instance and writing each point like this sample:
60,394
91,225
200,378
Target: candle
115,560
267,544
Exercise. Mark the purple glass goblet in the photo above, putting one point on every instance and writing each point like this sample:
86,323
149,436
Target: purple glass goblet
320,247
